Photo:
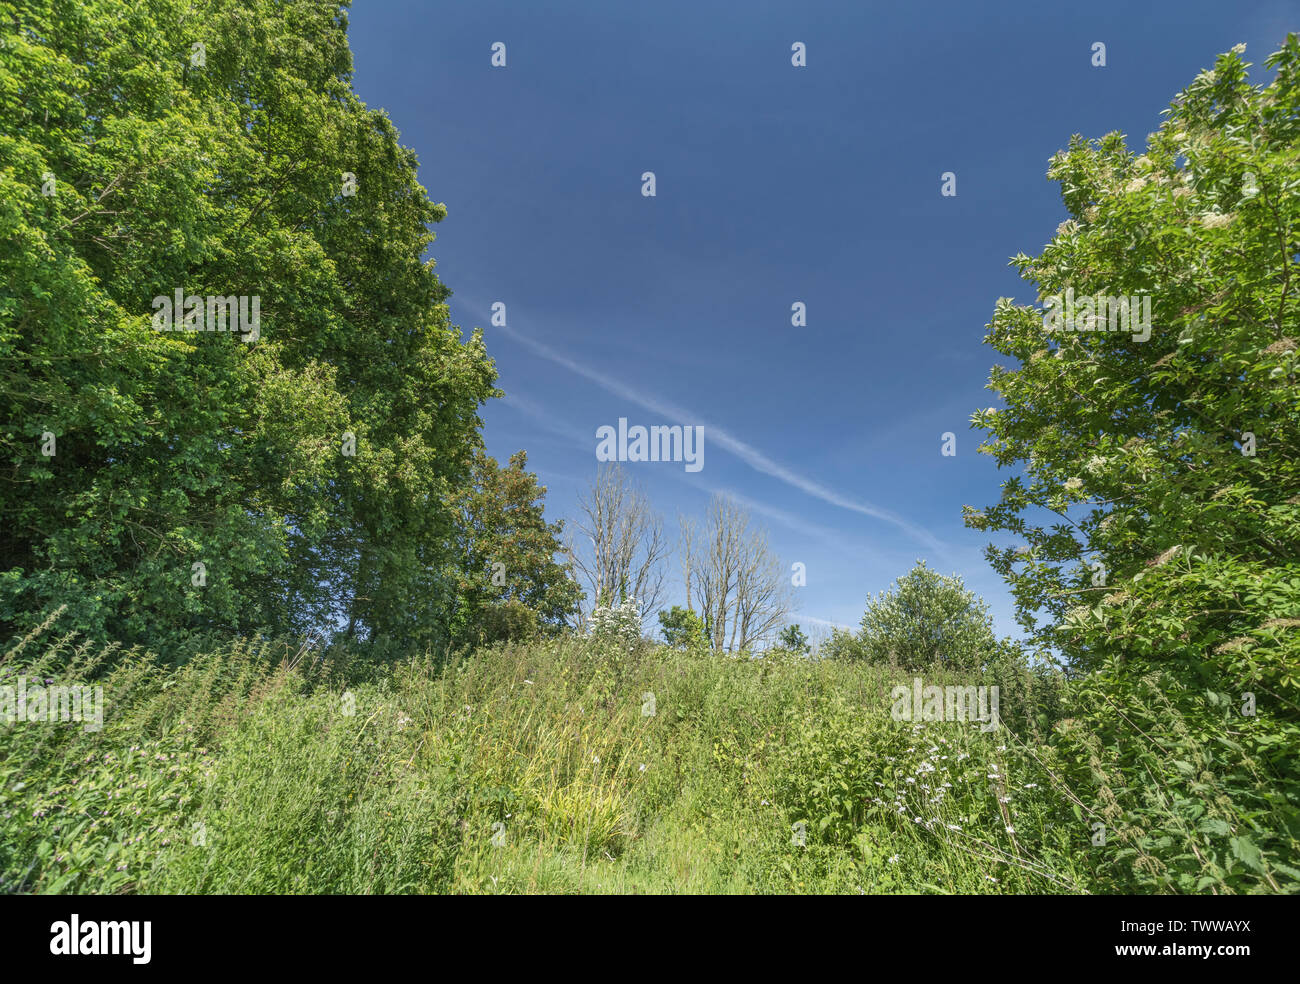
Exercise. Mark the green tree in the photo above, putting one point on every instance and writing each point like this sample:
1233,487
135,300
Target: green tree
924,619
842,644
793,639
161,146
683,629
509,582
1157,500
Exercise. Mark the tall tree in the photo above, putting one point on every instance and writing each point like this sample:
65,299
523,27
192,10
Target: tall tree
620,549
1158,494
732,576
163,482
510,584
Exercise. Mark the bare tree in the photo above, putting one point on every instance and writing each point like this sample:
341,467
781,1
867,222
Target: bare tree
623,545
733,577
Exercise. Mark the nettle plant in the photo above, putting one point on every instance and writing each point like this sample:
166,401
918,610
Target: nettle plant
1158,510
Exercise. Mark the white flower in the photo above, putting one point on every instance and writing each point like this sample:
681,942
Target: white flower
1011,830
894,859
1216,220
1073,484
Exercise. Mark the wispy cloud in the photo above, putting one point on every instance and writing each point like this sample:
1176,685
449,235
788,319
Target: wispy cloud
825,622
547,419
834,539
747,453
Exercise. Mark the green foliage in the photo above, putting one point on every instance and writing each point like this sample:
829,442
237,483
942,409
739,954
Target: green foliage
842,644
1158,511
574,765
683,629
793,639
176,448
1194,794
509,585
926,620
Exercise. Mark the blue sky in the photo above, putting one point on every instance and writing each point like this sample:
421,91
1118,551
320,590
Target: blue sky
775,184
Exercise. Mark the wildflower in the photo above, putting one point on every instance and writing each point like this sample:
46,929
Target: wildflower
894,859
1217,220
1011,830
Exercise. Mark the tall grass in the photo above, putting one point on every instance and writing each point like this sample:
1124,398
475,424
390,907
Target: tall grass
571,766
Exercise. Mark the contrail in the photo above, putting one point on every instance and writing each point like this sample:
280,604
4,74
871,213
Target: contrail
750,455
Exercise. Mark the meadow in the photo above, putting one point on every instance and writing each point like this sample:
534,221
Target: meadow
590,765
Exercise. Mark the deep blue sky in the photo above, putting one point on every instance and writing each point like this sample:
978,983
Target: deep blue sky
776,184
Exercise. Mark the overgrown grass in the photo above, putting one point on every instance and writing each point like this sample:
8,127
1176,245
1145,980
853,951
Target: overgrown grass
571,766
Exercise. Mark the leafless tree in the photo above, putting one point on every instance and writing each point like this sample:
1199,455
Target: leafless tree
732,576
623,548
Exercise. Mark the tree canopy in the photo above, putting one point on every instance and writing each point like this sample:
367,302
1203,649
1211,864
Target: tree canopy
162,483
1157,505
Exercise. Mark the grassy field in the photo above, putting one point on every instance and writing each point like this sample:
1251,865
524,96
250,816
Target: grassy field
561,767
